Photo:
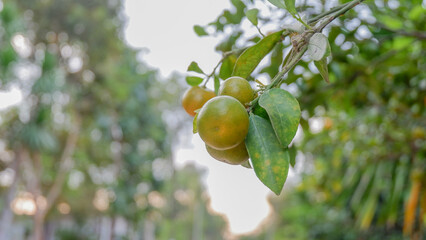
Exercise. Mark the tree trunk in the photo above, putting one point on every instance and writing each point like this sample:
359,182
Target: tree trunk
38,226
197,222
6,218
148,230
112,232
7,214
50,231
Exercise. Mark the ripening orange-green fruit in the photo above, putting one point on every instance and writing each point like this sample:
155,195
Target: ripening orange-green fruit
195,97
223,122
234,156
238,88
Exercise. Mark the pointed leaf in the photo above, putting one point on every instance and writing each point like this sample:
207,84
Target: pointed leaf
322,68
367,212
193,67
317,47
293,152
322,64
260,111
200,31
227,67
252,15
252,56
402,171
284,113
216,84
269,159
278,3
193,81
290,6
238,4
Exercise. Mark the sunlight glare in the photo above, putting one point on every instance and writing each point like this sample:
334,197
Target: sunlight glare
10,98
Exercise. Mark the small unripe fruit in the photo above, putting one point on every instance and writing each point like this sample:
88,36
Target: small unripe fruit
238,88
195,97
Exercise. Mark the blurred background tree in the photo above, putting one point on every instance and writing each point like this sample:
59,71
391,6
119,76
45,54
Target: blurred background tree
87,149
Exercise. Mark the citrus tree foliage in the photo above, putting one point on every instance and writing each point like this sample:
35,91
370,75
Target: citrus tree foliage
360,84
90,130
268,139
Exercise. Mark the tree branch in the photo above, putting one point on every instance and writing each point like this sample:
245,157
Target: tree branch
65,164
340,12
31,178
300,45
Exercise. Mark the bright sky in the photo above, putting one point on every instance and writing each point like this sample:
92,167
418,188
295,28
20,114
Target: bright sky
165,28
10,97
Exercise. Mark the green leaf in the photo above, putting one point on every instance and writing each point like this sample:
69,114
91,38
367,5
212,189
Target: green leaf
7,55
228,43
269,159
193,67
38,138
200,31
417,12
293,152
322,63
401,173
391,22
318,46
278,3
49,62
284,113
238,4
227,66
193,81
252,15
322,68
362,187
234,18
260,111
367,212
286,4
252,56
276,61
401,42
216,84
290,6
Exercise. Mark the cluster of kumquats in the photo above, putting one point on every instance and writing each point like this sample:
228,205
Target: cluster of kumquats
222,121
